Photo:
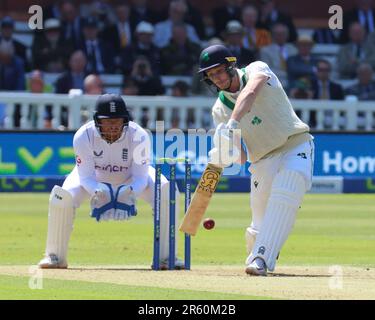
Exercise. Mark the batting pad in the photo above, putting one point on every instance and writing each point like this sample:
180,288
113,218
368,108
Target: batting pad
287,191
60,223
164,220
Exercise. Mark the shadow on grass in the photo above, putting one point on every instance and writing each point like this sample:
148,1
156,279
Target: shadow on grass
117,269
290,275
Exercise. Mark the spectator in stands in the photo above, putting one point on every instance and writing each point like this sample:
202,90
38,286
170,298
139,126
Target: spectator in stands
302,66
277,53
102,10
194,18
93,84
36,84
179,57
148,84
254,38
71,23
74,77
142,46
325,36
223,14
364,14
129,87
7,29
12,74
325,89
163,30
301,89
141,12
233,36
52,11
358,50
120,34
180,89
365,88
100,58
145,117
50,52
269,15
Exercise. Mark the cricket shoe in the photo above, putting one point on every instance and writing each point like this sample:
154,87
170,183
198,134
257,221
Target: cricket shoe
51,261
257,268
178,264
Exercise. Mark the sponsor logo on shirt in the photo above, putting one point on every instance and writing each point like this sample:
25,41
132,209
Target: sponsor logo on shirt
256,121
302,155
78,160
111,168
125,154
98,154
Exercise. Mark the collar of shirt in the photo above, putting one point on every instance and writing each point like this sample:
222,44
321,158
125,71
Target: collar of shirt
123,25
251,32
323,83
240,74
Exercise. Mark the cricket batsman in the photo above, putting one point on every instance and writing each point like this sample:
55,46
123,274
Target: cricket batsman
274,140
112,170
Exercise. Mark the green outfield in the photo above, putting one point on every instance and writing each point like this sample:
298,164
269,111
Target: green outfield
111,260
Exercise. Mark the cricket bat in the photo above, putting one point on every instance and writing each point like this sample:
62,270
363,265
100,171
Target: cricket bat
201,198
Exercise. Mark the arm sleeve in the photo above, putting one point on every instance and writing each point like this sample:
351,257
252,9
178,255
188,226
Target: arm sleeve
217,116
141,162
85,163
259,67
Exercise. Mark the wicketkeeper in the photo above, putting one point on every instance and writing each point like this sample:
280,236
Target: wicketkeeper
275,141
112,170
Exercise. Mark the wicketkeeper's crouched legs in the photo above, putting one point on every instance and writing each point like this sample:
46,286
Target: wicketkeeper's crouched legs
61,212
60,224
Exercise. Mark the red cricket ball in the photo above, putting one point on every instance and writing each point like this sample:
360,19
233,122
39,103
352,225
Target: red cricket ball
208,223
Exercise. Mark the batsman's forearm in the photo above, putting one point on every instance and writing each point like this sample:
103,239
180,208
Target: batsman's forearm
243,104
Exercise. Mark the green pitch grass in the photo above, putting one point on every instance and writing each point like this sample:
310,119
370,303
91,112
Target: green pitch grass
330,230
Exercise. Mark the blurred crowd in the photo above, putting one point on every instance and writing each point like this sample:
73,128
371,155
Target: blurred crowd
130,39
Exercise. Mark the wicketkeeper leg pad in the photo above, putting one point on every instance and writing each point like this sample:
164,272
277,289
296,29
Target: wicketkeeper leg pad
60,223
288,189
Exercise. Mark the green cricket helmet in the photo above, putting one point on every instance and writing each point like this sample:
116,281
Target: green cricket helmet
214,56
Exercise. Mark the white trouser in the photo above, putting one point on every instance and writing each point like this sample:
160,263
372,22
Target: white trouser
79,194
263,172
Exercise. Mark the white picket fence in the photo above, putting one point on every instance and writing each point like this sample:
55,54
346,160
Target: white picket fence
192,112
